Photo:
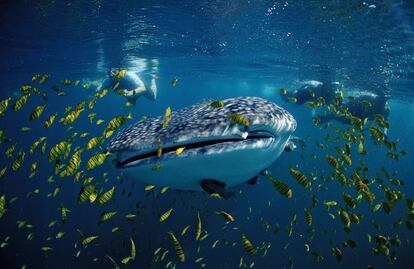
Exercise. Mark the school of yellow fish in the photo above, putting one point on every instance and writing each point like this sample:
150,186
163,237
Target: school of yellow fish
347,171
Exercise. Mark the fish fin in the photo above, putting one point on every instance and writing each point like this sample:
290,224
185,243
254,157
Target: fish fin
214,186
290,146
293,142
132,99
252,181
265,172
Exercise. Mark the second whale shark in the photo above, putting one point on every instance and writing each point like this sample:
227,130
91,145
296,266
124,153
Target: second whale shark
219,151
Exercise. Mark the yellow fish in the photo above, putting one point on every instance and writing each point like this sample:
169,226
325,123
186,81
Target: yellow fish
73,164
217,104
149,187
66,82
64,213
89,239
174,82
85,192
49,121
179,150
117,122
165,215
96,160
93,142
239,119
198,228
37,112
281,187
159,148
2,205
21,102
4,104
300,178
167,117
248,245
106,196
107,215
226,215
177,247
58,150
18,162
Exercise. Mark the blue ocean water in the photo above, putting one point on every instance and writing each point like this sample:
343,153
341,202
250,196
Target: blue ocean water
216,50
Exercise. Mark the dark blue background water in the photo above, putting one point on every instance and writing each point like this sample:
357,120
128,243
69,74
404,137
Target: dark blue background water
217,49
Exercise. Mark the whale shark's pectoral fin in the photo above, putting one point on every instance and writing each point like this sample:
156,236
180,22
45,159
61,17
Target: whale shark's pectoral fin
252,181
290,146
293,142
214,186
132,99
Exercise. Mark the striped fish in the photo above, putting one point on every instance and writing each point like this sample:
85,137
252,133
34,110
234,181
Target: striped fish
106,196
300,178
73,164
308,217
332,161
282,188
85,193
21,102
349,200
64,213
18,161
248,245
198,228
58,150
177,247
117,122
107,215
37,112
165,215
96,160
49,121
35,144
89,239
4,104
94,141
345,218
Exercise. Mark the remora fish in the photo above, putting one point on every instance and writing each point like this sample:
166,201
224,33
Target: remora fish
219,151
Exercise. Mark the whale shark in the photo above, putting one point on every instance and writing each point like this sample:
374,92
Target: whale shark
219,152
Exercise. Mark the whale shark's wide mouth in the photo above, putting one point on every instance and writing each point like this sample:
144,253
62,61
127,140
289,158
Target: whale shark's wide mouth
252,137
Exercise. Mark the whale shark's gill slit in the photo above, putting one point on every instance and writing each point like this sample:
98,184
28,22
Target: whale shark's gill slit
251,135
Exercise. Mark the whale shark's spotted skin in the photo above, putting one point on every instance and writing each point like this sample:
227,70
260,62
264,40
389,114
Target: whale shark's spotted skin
216,148
203,121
